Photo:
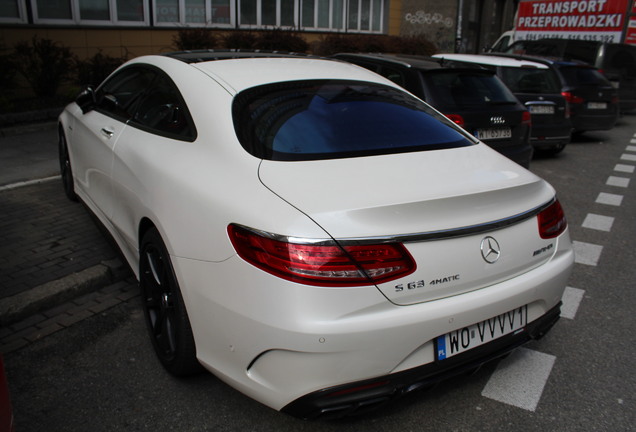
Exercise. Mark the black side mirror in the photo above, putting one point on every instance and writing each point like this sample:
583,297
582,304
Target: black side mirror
86,100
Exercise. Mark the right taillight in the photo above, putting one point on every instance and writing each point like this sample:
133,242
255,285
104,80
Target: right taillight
526,118
571,98
552,221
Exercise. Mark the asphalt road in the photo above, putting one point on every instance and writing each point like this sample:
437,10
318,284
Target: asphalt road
101,374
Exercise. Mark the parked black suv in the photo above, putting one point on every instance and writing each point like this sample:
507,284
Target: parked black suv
475,99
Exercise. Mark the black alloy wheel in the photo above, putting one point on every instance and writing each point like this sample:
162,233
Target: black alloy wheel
65,168
164,309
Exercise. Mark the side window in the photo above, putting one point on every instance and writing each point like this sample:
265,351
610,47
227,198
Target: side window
117,96
393,74
162,110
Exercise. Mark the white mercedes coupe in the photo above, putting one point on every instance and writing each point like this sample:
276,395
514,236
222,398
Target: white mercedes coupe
308,231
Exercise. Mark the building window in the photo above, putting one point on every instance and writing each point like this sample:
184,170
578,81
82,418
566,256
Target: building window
131,10
53,10
267,13
323,14
194,13
359,15
365,16
12,11
95,12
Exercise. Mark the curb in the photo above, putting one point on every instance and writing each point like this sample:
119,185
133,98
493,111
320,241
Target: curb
51,294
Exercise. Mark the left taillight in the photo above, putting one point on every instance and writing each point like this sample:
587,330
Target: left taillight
456,118
552,222
322,264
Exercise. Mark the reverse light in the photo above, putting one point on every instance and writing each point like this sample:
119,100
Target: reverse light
322,264
552,221
571,98
456,118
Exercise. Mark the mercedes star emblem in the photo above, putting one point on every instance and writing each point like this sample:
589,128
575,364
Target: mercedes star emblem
490,250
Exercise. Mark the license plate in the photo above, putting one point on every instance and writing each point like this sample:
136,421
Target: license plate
459,341
597,105
541,109
499,133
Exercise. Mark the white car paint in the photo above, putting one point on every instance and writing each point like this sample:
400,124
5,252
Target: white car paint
491,60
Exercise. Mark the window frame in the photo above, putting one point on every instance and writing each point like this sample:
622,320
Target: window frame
22,15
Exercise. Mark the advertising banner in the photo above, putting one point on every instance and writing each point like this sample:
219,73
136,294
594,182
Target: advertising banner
594,20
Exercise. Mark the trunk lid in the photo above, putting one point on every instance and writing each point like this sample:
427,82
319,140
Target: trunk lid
419,198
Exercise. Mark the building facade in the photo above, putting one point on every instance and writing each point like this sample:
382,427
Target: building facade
137,27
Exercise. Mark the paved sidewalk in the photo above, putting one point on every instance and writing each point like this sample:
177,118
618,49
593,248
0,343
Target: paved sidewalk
56,265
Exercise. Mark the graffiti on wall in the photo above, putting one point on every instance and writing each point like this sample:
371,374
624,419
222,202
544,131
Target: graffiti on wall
422,17
433,19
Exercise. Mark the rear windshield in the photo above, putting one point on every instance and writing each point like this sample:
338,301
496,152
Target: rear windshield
576,75
530,80
329,119
458,90
585,51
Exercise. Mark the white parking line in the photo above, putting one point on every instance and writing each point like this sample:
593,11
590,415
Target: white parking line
519,379
609,199
628,157
624,168
617,181
586,253
571,299
598,222
630,148
28,183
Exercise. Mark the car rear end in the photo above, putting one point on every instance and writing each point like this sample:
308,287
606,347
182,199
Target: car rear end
479,102
592,99
387,235
539,90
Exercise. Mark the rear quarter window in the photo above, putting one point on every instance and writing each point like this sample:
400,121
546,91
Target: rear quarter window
575,76
329,119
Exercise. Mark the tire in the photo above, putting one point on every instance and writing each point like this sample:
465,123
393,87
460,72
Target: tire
65,169
164,310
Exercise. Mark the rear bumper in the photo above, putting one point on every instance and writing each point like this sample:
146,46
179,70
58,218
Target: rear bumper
278,342
587,122
544,142
357,397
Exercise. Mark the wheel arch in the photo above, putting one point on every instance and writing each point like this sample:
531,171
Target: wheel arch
145,224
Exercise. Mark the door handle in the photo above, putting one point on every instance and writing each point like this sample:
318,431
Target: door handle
107,132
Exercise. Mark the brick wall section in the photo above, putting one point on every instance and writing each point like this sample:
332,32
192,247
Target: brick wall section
44,237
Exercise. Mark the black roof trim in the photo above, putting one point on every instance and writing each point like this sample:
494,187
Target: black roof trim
197,56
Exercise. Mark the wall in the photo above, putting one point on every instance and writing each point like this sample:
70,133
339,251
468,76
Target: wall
434,19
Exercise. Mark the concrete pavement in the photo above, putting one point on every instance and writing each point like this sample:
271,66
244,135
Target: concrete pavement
51,251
